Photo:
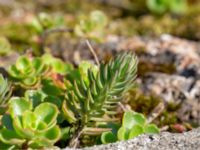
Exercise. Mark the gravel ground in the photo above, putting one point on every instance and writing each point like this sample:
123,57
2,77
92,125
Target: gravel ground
164,141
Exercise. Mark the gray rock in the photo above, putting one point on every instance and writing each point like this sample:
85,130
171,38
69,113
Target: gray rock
171,88
164,141
177,89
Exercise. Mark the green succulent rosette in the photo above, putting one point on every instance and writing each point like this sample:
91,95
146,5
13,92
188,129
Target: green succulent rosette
28,72
133,125
58,66
163,6
92,26
34,128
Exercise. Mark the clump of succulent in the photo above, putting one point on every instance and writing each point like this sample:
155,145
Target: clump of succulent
41,26
25,127
133,125
81,73
92,26
5,93
88,97
28,72
57,65
5,47
87,104
45,21
162,6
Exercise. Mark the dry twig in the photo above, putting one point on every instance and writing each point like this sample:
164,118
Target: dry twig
93,52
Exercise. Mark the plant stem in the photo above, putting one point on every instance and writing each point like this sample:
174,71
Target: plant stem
74,142
93,52
25,146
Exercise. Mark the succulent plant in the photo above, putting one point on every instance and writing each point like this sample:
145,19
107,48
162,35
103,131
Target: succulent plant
5,47
45,21
97,100
30,128
57,65
92,26
28,72
133,124
162,6
82,72
5,93
38,96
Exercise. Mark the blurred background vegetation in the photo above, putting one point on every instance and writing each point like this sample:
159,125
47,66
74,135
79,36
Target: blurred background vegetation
125,18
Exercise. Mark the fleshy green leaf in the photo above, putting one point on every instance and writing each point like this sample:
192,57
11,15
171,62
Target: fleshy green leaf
50,89
68,114
57,65
7,121
23,64
41,126
36,97
20,130
30,81
46,139
151,128
46,112
53,134
36,25
14,72
98,18
18,106
122,133
54,100
135,131
29,120
131,118
10,137
157,6
178,6
61,67
38,65
108,137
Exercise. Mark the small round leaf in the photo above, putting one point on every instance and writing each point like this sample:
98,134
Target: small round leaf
151,128
132,118
108,137
46,112
18,106
135,131
122,134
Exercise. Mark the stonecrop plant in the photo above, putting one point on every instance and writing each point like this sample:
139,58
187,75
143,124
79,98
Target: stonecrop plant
96,101
133,124
28,72
45,21
162,6
92,26
26,127
55,104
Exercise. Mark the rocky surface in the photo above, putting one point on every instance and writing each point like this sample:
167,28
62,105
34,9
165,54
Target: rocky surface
176,89
164,141
183,54
179,81
168,67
